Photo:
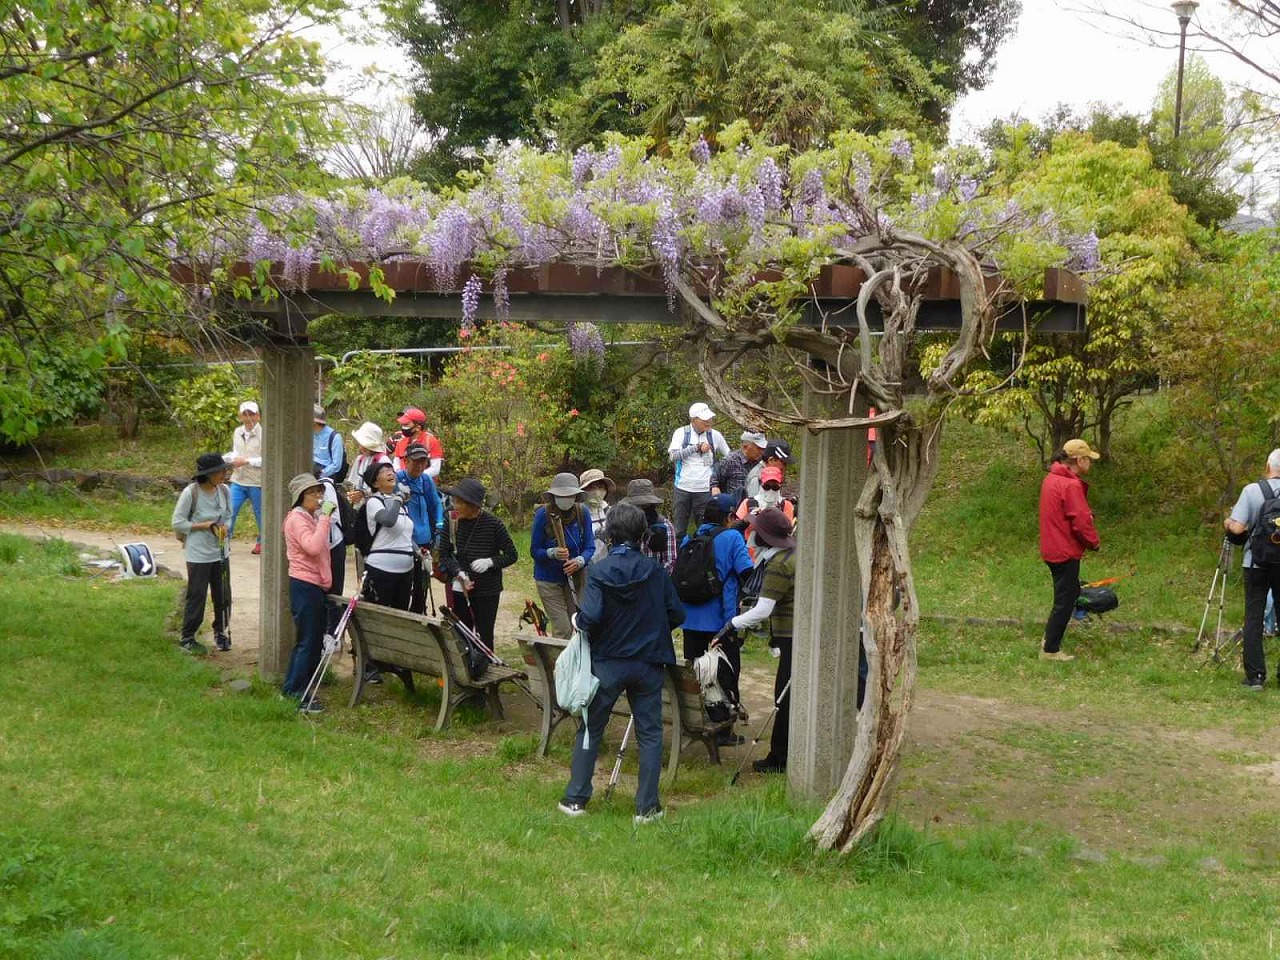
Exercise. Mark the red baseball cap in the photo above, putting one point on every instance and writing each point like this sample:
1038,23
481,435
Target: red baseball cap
771,473
412,415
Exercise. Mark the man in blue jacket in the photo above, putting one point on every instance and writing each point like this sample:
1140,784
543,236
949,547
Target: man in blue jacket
703,621
425,511
628,610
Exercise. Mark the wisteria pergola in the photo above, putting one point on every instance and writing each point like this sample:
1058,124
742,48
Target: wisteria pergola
829,595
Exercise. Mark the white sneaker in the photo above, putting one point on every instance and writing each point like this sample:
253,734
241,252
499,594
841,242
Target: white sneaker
571,808
653,816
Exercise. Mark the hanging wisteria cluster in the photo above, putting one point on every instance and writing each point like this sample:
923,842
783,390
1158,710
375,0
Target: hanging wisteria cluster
730,212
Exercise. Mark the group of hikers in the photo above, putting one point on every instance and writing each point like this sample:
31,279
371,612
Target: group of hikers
616,568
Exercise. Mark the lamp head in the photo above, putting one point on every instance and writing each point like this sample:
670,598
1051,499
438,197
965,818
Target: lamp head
1184,9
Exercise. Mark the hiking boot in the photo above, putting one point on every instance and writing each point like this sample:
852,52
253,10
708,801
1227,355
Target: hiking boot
572,808
193,646
1254,683
257,549
769,764
311,706
223,643
1057,656
727,738
653,816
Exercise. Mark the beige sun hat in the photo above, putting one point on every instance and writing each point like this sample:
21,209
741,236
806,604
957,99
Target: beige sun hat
595,476
300,485
369,436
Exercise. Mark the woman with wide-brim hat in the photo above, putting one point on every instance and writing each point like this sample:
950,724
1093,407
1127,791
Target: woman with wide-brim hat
596,488
553,564
474,550
200,520
659,542
373,449
306,544
776,562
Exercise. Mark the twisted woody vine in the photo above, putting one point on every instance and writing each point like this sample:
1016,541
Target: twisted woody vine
737,229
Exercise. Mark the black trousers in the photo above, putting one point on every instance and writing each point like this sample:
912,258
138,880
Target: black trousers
338,565
697,642
478,613
1066,588
782,722
1258,582
388,589
204,579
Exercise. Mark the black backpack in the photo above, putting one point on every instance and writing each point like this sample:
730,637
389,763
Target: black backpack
346,513
1264,538
359,534
695,575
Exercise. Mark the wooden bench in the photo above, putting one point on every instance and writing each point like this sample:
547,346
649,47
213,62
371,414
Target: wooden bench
406,643
689,721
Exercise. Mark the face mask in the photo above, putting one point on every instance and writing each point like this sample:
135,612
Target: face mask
565,503
769,498
595,497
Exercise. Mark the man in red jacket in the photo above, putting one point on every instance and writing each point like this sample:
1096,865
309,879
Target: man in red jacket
1066,531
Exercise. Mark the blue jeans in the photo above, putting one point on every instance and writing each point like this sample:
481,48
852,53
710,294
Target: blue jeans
239,494
307,604
642,683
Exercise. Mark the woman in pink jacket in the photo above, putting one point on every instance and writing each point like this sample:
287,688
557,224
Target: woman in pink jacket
306,540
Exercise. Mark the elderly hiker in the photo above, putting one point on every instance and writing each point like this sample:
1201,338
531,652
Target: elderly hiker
200,520
776,605
739,473
659,541
306,543
246,477
474,550
328,455
629,608
705,619
1261,573
768,497
413,429
554,563
596,488
1066,531
389,562
373,449
693,450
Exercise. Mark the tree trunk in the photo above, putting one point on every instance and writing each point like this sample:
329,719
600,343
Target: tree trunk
905,465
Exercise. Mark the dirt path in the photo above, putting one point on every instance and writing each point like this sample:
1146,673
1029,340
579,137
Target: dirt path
967,759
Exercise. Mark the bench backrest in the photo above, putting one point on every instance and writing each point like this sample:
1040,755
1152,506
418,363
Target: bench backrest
402,639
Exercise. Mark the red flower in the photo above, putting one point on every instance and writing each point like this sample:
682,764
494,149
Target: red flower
573,412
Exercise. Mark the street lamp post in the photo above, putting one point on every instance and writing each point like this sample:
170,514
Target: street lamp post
1184,9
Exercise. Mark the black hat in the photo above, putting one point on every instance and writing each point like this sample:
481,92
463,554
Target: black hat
469,490
208,463
778,449
417,451
370,475
773,527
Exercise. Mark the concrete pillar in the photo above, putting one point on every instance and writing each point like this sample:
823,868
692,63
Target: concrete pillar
828,604
288,385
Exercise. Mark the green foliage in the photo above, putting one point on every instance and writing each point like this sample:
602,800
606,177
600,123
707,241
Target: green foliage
372,386
795,72
126,127
208,405
1220,352
1070,385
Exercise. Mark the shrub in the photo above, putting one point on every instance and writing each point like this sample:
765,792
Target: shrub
207,405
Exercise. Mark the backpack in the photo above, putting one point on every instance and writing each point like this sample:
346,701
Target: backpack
360,533
695,575
1097,600
576,685
195,494
346,512
1264,538
714,672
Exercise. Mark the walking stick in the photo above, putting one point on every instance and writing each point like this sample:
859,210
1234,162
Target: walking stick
617,764
332,646
1224,565
450,616
777,704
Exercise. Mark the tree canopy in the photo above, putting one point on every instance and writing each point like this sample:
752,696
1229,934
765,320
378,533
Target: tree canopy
126,129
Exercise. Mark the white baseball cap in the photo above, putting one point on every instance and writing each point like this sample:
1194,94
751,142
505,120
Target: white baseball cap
248,407
757,438
701,411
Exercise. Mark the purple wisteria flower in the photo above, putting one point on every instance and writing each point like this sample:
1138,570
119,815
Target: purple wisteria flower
1085,255
967,188
581,165
501,295
586,344
470,300
700,152
769,180
901,149
451,242
941,178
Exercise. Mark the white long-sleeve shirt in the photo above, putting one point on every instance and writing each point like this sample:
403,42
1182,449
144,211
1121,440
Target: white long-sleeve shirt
693,468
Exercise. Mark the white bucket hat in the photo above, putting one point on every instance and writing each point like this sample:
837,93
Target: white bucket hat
369,436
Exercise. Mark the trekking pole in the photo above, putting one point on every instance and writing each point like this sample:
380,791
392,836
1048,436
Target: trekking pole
429,575
332,646
617,764
557,530
1224,565
452,617
777,704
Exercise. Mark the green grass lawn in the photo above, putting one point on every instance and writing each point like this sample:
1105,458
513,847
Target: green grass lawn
151,812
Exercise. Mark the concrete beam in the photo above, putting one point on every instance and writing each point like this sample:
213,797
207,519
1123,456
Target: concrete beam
288,379
828,607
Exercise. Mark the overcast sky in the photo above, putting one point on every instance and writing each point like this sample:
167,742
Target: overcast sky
1057,55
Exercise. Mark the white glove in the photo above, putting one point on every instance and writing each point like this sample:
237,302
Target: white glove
735,624
403,492
573,621
482,565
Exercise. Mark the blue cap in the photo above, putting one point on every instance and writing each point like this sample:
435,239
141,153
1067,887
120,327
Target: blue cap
719,507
